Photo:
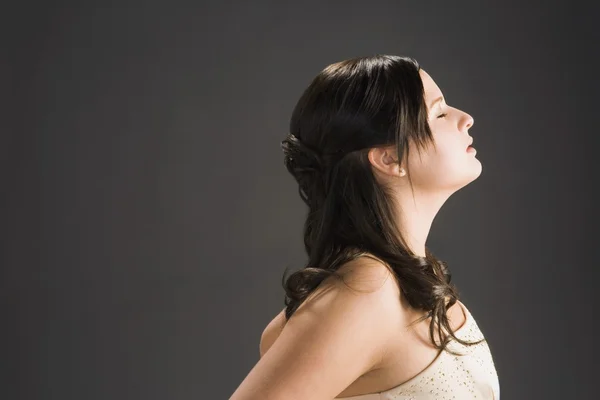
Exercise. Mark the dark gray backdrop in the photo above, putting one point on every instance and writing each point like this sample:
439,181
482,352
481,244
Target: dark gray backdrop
147,217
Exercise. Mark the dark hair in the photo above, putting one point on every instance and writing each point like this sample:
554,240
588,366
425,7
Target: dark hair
350,107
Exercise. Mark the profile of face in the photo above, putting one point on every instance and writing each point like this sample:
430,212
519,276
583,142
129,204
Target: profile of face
449,165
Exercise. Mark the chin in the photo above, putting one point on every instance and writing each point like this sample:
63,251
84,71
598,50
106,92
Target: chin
478,170
473,174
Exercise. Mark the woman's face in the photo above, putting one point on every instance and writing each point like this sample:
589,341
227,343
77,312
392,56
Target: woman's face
449,165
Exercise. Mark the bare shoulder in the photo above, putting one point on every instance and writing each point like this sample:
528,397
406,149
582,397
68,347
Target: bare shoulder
271,332
354,320
362,275
369,274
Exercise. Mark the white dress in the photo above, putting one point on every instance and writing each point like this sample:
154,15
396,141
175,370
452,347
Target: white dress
471,376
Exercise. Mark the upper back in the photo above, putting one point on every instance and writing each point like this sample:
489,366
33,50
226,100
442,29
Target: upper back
410,358
340,332
363,274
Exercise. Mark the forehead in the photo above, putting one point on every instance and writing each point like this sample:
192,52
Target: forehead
431,88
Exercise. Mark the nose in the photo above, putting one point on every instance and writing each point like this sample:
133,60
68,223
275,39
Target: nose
466,122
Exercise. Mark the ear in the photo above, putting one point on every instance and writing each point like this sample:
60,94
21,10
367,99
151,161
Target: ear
385,160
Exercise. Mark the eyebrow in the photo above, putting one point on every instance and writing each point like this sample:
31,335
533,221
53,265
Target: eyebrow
436,101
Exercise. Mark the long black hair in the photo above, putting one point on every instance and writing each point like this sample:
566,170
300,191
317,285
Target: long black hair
348,108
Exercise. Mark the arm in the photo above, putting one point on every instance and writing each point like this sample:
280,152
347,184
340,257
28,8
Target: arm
338,334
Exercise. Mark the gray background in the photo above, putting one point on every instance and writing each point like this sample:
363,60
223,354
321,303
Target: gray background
147,217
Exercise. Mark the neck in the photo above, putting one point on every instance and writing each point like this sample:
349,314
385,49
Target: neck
416,216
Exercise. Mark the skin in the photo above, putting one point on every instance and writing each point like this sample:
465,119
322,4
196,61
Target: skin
356,338
436,173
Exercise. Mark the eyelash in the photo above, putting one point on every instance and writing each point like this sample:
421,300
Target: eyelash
442,115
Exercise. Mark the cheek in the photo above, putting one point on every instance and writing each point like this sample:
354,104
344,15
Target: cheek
441,166
448,150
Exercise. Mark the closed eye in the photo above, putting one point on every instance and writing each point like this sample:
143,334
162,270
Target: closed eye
442,115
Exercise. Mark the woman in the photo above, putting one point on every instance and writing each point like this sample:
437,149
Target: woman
376,151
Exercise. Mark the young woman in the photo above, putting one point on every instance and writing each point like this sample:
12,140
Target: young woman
376,151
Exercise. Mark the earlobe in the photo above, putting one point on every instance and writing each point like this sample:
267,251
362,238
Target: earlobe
385,162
